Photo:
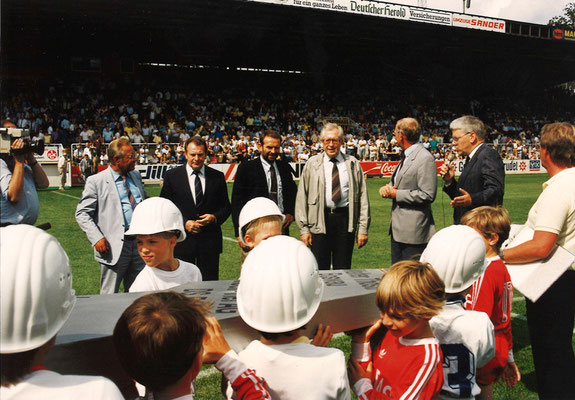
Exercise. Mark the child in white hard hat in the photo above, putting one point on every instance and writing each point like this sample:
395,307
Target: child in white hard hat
259,219
37,299
407,363
467,339
163,338
158,226
279,292
492,293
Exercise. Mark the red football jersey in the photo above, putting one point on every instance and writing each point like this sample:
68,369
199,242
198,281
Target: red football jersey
492,293
405,369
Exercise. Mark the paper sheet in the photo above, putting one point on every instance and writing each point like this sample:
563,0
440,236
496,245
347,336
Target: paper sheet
533,279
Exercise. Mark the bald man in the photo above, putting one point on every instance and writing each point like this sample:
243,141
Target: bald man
412,189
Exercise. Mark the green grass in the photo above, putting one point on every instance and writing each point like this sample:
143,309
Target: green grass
520,193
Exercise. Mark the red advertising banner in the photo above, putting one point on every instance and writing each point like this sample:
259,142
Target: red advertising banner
386,168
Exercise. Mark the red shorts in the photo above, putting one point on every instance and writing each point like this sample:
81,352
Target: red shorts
491,371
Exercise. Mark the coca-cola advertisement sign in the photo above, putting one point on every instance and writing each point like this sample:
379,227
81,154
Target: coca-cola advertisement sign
385,168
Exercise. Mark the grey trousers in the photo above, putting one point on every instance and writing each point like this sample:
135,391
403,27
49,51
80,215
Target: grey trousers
129,265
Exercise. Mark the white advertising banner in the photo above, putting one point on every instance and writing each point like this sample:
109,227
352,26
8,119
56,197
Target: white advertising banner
429,16
482,23
397,11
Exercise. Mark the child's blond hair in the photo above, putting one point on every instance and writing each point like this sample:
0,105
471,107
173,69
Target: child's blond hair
489,220
258,224
410,289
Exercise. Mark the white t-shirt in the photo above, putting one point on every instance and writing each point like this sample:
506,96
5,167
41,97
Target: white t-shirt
157,279
554,210
297,371
47,385
467,342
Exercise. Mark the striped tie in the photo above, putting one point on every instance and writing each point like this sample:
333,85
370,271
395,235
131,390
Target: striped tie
198,188
131,197
274,184
335,186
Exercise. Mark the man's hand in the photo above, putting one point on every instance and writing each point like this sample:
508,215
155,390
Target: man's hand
215,344
102,245
447,172
322,336
193,227
362,335
361,240
16,145
355,372
306,239
384,191
206,219
462,201
287,221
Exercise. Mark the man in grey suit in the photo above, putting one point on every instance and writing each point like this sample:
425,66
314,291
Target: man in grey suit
412,189
105,212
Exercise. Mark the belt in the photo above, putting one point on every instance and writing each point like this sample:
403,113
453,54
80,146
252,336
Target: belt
336,210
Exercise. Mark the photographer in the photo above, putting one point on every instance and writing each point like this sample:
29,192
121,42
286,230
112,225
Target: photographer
20,174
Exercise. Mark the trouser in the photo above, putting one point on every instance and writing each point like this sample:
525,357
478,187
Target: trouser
129,265
62,173
550,321
405,251
335,247
207,262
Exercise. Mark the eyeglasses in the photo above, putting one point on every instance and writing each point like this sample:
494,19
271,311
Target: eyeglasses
457,139
331,141
133,156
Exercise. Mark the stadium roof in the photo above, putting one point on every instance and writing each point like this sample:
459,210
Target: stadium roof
46,33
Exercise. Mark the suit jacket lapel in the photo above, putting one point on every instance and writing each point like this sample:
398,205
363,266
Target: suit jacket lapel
407,164
469,167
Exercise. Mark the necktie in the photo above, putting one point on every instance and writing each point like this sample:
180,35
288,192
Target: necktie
335,186
274,184
198,188
131,197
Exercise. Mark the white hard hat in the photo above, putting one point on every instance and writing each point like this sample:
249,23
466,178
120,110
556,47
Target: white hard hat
257,208
155,215
457,253
36,280
280,288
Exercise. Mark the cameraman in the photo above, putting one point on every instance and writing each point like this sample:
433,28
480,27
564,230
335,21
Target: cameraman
20,173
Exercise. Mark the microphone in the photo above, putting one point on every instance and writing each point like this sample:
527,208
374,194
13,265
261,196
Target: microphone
449,160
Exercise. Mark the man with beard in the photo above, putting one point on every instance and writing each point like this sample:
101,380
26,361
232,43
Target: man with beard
265,176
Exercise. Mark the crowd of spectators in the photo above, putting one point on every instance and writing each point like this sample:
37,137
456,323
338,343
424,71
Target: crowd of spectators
86,115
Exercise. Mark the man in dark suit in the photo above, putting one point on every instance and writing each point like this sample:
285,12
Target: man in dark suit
201,194
482,182
265,176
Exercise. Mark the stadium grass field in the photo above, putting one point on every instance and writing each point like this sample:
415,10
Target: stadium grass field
521,191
